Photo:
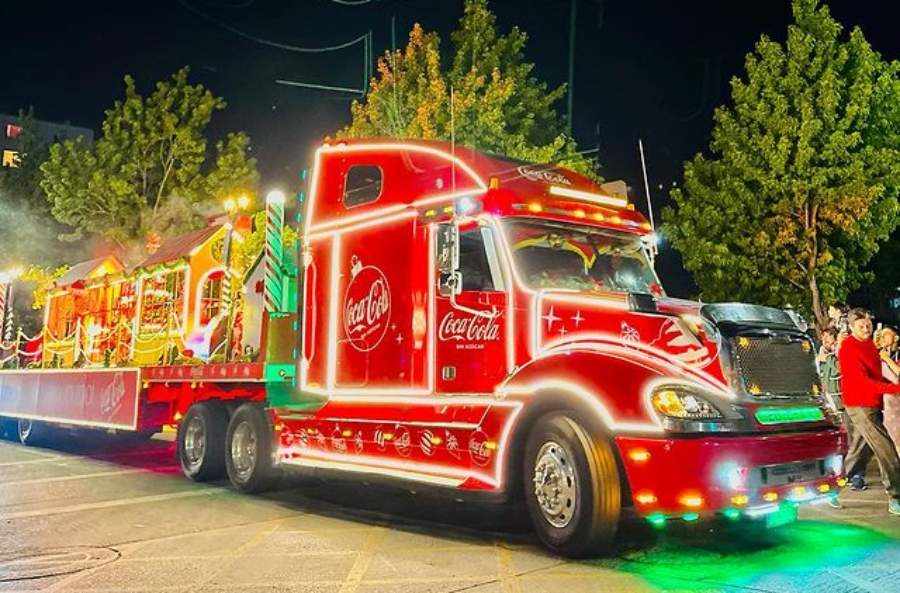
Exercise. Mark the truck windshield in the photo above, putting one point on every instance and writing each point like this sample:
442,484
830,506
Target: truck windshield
572,257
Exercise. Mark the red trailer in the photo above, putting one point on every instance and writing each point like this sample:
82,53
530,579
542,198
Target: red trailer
481,324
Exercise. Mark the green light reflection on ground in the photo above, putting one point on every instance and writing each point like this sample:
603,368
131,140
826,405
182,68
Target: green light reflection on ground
739,555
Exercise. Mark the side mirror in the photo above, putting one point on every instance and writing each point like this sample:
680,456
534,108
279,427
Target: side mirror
448,248
448,259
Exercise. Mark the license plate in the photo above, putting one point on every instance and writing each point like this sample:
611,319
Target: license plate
789,473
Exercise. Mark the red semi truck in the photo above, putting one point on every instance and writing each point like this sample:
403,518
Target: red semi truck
475,323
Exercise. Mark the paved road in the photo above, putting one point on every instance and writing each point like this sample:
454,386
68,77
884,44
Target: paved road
79,518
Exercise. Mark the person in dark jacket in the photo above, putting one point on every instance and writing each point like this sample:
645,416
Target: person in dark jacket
863,389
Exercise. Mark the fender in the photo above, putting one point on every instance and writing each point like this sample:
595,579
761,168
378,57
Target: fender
613,381
607,385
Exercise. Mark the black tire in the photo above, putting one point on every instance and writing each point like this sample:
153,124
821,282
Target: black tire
32,433
572,487
250,449
201,442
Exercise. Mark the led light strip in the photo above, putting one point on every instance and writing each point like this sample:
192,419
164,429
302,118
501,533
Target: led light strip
588,196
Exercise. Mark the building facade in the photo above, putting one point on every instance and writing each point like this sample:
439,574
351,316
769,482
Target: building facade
13,126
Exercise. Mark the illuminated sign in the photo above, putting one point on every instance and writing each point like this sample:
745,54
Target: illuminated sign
10,158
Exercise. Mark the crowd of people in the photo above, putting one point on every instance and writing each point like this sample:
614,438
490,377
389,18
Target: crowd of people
860,375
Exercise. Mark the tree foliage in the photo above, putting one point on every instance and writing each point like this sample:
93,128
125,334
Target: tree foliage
498,105
801,183
149,171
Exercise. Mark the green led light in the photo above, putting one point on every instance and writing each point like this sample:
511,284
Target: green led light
657,519
690,516
789,415
732,514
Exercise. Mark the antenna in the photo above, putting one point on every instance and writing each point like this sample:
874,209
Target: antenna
452,142
646,184
655,248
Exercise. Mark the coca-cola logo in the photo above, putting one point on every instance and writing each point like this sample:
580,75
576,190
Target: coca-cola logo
367,307
469,328
543,175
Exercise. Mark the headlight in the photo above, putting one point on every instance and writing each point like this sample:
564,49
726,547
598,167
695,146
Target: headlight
684,405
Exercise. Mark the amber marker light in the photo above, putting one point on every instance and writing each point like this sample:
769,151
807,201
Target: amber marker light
740,500
645,497
841,482
770,496
824,488
639,455
691,500
535,207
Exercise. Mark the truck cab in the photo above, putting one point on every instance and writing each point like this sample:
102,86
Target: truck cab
479,323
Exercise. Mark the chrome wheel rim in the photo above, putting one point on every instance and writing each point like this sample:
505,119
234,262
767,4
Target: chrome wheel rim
243,451
194,442
555,484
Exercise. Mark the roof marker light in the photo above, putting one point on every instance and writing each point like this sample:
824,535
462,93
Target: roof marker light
588,196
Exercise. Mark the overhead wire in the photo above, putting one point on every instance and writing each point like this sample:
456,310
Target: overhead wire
268,42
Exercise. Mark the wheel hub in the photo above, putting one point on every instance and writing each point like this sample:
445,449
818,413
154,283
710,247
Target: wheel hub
195,442
243,450
555,484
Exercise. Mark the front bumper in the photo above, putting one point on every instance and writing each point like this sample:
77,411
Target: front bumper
692,476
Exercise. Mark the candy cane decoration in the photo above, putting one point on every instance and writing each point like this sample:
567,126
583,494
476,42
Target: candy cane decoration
274,259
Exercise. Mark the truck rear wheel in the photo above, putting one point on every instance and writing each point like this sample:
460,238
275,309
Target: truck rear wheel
201,440
572,487
249,450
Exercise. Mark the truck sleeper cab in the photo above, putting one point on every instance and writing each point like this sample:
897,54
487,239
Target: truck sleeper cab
482,324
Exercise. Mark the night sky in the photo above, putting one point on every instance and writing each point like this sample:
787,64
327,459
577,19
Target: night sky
652,69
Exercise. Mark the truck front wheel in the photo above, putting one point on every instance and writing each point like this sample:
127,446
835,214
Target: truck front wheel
201,440
249,450
572,487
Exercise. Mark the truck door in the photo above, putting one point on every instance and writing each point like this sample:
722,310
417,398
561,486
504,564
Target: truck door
471,326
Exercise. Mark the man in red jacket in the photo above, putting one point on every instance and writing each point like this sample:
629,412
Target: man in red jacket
863,388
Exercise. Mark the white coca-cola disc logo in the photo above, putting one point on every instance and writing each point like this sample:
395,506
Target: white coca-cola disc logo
367,307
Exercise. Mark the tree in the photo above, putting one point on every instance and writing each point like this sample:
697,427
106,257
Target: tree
148,171
801,184
498,105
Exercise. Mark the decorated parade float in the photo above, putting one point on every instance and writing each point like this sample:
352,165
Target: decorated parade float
450,318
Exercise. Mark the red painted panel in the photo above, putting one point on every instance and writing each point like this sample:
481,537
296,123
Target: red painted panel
673,467
103,398
380,291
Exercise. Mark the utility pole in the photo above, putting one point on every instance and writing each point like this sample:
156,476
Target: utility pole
571,88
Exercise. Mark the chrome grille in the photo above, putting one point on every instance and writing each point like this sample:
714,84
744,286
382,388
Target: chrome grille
776,365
